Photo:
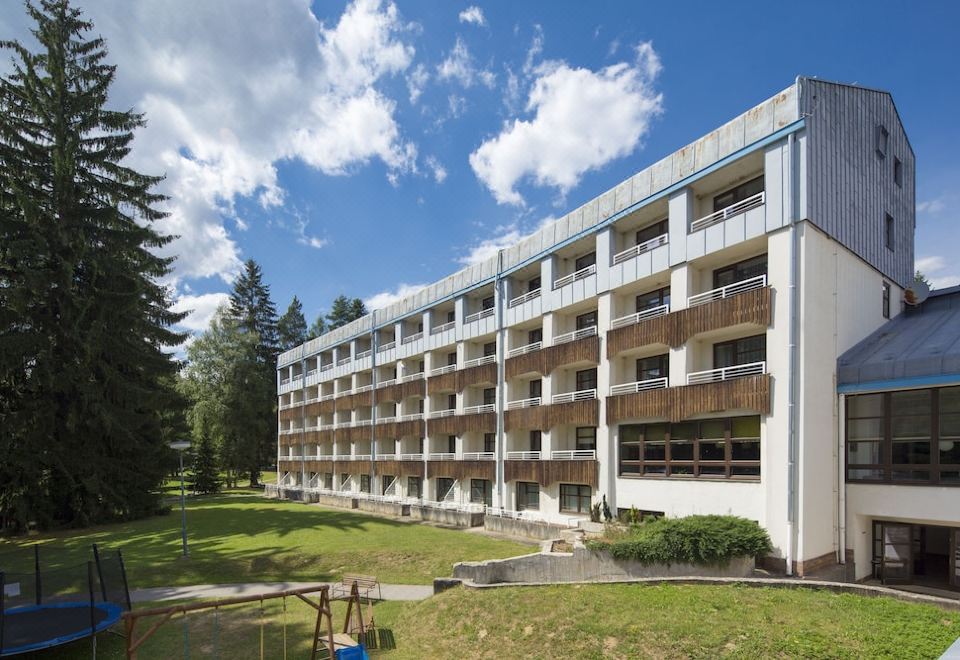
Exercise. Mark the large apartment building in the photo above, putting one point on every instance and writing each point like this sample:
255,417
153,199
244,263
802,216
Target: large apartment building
671,345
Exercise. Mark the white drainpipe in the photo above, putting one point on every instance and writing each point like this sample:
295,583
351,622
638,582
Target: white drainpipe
842,480
501,384
793,385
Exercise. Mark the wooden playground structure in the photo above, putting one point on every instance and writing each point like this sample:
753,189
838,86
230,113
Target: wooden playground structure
358,633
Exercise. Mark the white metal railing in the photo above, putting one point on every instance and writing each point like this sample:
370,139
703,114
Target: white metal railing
410,457
362,388
412,338
449,325
387,383
728,212
523,455
387,346
486,359
286,380
485,408
748,284
412,417
726,373
575,335
532,402
574,455
482,314
443,370
325,427
639,386
386,457
643,315
327,397
341,457
521,350
441,456
326,367
519,300
362,457
437,414
410,377
344,360
574,276
479,455
309,401
287,406
387,420
311,428
363,354
640,248
343,392
310,372
579,395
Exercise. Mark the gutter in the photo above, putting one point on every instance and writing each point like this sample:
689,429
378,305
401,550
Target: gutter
793,381
501,372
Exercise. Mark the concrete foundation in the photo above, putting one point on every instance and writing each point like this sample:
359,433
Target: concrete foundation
443,516
530,529
340,501
395,509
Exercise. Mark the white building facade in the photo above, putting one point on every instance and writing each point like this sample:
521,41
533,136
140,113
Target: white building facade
670,346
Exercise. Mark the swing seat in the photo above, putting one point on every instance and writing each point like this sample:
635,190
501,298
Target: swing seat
357,652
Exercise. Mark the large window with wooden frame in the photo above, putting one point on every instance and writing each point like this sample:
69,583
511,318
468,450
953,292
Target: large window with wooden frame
656,366
444,486
653,299
535,440
909,437
740,271
528,496
414,487
586,438
745,350
489,396
711,449
574,498
481,492
586,379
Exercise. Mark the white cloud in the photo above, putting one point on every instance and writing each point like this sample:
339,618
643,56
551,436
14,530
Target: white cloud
201,309
439,171
459,65
387,298
582,119
936,269
932,206
270,82
473,15
416,81
505,236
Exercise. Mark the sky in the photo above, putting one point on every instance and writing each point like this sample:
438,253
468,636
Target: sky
370,147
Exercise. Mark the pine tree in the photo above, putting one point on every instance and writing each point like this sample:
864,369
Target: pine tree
205,479
85,384
344,311
318,328
292,326
357,309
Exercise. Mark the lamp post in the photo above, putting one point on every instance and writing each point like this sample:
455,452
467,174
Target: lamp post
181,446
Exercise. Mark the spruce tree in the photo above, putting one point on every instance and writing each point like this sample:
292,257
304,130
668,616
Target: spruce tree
205,479
318,328
254,312
344,311
85,383
292,326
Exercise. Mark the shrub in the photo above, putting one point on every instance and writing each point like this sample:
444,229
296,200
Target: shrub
710,540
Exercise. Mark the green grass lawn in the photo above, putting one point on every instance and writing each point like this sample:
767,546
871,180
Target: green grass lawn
596,621
247,538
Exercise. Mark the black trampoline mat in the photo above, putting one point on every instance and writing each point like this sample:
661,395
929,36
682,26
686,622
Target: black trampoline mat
49,625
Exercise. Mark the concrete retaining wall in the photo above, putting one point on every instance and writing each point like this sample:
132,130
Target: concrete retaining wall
585,565
531,529
340,501
384,508
450,517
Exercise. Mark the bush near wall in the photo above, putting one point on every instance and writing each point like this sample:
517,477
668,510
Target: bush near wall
708,540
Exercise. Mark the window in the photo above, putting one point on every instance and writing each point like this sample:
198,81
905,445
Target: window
420,444
904,437
489,396
364,483
535,439
420,367
652,299
489,442
536,388
451,444
740,271
414,487
656,230
738,194
344,478
587,437
328,481
534,284
587,379
451,359
487,303
574,498
420,326
588,320
534,336
490,348
444,488
898,172
528,496
481,492
710,449
883,138
886,300
420,405
746,350
657,366
888,234
586,260
451,316
451,401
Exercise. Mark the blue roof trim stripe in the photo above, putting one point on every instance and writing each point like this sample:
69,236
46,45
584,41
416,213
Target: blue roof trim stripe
899,384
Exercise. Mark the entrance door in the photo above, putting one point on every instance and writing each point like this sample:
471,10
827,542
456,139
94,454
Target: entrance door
955,563
896,562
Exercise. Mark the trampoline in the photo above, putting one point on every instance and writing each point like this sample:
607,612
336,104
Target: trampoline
46,608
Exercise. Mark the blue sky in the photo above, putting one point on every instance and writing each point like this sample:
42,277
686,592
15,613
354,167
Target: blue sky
368,147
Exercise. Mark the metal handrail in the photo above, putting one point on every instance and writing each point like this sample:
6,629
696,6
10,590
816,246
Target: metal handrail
519,300
386,383
486,359
326,367
569,397
574,276
449,325
327,397
482,314
734,209
362,388
574,455
363,354
639,386
632,319
576,334
443,370
478,455
387,420
412,417
387,346
410,377
532,402
343,361
640,248
437,414
412,338
727,291
522,350
524,455
726,373
410,457
386,457
485,408
442,456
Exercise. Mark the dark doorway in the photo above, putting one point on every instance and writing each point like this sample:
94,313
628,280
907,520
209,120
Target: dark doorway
905,553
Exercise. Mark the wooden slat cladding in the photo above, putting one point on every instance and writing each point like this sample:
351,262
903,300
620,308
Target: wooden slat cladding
676,328
291,413
320,408
351,401
551,472
442,383
337,467
460,424
679,403
396,430
547,359
484,374
355,433
443,426
400,468
461,470
543,418
399,391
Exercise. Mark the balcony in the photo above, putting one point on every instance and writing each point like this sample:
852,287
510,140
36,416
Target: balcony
441,456
344,360
726,373
486,359
413,417
450,325
570,397
363,354
633,319
477,410
326,367
523,455
734,289
583,333
571,408
574,276
728,212
362,388
409,378
386,347
412,338
578,346
479,456
640,248
440,414
482,314
574,455
528,296
639,386
443,370
519,404
522,350
575,466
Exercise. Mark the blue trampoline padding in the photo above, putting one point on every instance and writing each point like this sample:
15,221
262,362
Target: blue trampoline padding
108,614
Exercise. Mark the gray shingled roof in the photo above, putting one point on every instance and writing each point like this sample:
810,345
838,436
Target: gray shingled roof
923,341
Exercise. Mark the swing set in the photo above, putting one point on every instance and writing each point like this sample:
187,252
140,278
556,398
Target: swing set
358,634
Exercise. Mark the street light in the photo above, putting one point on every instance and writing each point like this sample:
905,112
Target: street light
181,446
